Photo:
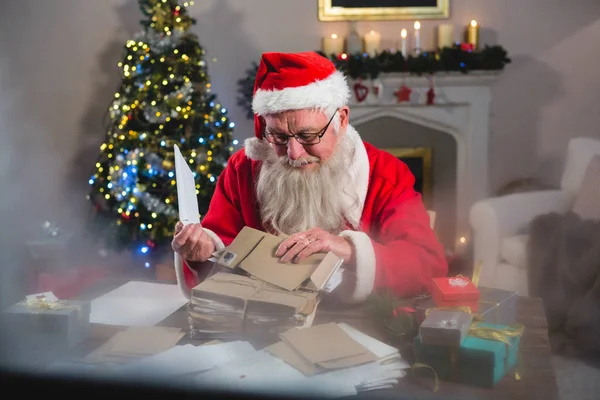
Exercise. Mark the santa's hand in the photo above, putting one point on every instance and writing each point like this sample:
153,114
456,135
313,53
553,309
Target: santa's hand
192,242
301,245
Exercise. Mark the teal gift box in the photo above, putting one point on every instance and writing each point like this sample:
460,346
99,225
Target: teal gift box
480,360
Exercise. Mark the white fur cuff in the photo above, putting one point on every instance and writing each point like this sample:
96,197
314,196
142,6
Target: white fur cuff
365,264
215,238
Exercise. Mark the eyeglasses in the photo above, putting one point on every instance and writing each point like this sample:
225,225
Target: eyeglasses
305,139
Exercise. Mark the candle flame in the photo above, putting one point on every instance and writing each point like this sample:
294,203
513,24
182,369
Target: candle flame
333,36
372,33
463,239
474,24
403,33
417,25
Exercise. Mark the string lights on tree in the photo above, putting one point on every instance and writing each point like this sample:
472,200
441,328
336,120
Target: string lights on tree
164,98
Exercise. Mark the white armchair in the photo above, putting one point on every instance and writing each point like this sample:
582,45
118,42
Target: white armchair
500,224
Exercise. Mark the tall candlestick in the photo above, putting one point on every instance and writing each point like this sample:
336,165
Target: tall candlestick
354,41
445,37
473,34
333,45
417,37
403,34
372,43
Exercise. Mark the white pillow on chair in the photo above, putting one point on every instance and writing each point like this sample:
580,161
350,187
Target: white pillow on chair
587,202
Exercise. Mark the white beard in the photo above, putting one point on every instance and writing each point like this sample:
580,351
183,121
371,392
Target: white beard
293,200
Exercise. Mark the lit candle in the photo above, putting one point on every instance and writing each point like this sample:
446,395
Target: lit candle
473,34
333,45
417,37
372,43
403,35
445,36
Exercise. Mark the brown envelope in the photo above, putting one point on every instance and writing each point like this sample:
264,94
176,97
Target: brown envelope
263,264
348,362
323,343
253,291
146,340
227,284
287,354
242,245
324,271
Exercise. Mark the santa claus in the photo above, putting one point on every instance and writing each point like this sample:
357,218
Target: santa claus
308,174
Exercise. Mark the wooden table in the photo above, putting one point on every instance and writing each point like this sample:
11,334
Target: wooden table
538,380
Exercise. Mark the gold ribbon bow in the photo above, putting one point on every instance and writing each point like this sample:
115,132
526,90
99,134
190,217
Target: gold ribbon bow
41,304
436,384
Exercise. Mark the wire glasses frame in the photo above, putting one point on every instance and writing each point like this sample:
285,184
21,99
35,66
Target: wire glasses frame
305,139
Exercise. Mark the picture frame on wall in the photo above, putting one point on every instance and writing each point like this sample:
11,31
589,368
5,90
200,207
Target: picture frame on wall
351,10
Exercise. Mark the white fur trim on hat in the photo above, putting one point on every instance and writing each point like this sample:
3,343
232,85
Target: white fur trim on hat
330,92
257,149
365,265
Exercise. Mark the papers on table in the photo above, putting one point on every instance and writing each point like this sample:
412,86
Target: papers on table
265,372
238,366
186,190
187,359
136,343
137,304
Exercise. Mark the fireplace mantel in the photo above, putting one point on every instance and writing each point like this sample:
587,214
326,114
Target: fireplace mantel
461,109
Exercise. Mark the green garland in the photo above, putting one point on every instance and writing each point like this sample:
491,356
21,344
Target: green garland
395,316
362,66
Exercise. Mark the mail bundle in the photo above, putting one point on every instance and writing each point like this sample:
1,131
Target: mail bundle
253,293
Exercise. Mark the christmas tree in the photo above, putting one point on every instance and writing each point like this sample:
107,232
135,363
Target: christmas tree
163,99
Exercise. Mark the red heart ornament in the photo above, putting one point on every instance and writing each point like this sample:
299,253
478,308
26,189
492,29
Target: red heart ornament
360,91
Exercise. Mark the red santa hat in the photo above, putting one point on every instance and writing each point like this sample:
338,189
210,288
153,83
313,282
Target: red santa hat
296,81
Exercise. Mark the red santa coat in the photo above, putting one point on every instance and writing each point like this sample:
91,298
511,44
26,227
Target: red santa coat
395,245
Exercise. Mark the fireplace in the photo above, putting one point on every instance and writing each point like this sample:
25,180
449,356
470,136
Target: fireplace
418,160
431,156
452,135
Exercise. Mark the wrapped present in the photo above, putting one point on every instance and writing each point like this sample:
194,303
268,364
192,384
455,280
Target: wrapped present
42,318
445,328
454,292
486,355
495,306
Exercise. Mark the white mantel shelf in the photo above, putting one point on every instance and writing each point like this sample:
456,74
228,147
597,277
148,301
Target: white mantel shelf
473,78
461,109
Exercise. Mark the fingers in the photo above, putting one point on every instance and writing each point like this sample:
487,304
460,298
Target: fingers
193,243
286,244
180,238
316,246
291,253
178,227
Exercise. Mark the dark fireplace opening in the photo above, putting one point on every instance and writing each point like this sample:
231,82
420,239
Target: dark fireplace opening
430,154
418,160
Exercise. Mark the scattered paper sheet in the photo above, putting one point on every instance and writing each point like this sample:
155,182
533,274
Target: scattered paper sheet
186,190
265,373
380,349
137,304
135,343
327,346
187,359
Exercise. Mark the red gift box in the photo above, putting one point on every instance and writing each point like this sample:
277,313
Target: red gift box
456,291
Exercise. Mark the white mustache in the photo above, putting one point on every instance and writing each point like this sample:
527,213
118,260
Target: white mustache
301,161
